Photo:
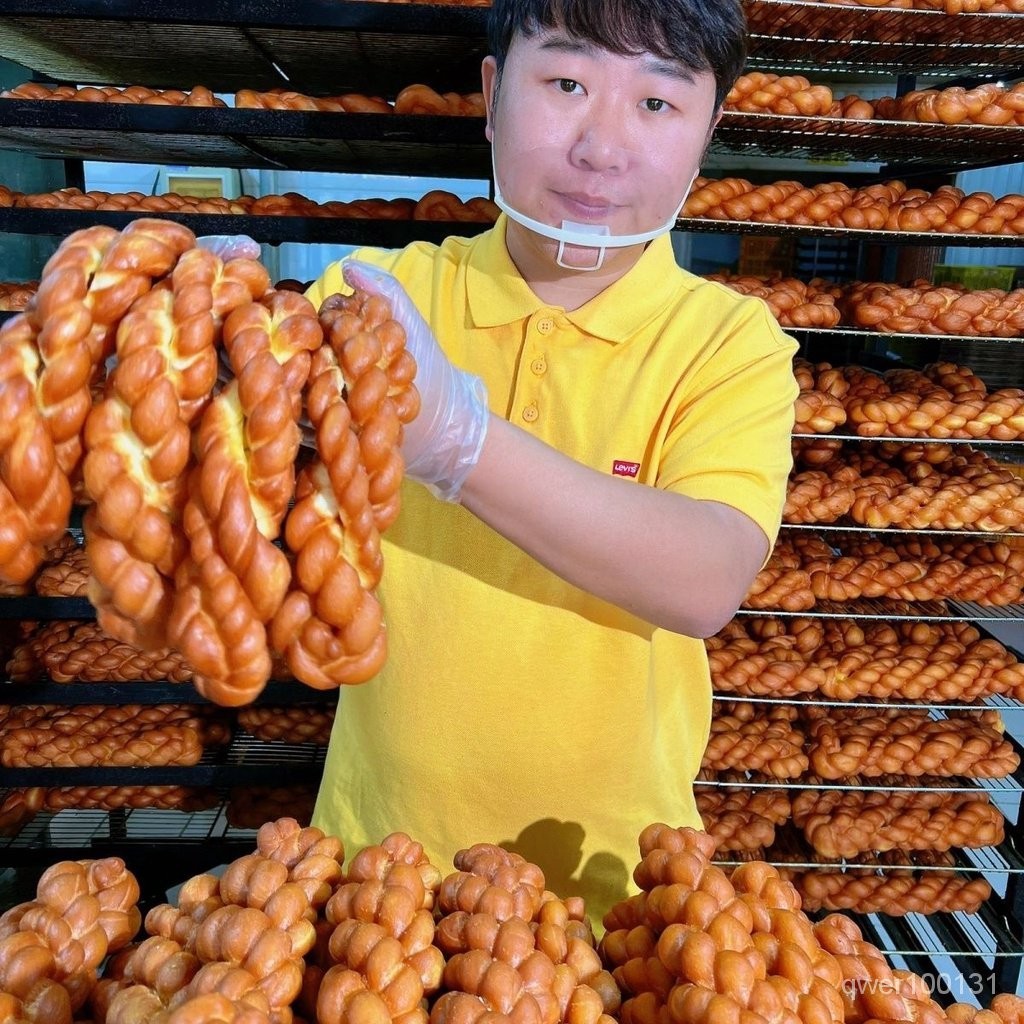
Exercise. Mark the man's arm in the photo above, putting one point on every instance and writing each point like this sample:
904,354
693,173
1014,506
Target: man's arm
679,563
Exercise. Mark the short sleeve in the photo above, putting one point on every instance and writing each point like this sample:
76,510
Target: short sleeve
729,439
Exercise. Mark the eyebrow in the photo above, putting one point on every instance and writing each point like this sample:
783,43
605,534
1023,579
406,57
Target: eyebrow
651,65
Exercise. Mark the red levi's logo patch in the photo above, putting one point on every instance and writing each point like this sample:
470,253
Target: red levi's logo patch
630,469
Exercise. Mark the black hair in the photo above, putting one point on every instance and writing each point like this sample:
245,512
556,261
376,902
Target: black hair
702,35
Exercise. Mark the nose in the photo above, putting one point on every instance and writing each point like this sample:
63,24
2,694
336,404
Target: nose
600,143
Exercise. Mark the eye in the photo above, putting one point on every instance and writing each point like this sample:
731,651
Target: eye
655,106
567,85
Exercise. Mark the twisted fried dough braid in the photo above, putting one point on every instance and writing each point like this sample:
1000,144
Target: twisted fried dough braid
908,745
773,747
139,439
28,989
68,577
48,357
845,823
493,881
233,579
330,626
288,725
69,651
740,819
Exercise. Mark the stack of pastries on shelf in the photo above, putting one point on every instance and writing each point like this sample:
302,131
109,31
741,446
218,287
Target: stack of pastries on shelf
945,6
294,931
761,92
413,99
14,295
435,205
943,401
884,206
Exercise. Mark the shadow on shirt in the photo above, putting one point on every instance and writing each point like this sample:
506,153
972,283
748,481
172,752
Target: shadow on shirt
556,847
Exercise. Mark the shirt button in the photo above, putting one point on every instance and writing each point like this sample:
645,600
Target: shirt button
539,367
545,326
530,413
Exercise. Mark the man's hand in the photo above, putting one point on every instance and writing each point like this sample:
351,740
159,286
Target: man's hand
442,445
230,247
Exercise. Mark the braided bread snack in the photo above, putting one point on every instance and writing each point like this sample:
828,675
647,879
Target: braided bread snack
51,947
287,99
421,99
79,651
846,823
758,92
139,440
1004,1008
382,947
198,96
253,806
908,744
125,735
306,724
446,206
48,357
742,819
989,104
793,303
15,295
330,627
68,577
782,583
882,889
769,745
814,496
233,580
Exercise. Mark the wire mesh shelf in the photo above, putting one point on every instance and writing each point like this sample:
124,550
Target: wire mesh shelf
142,692
816,700
976,441
852,528
816,37
850,334
899,611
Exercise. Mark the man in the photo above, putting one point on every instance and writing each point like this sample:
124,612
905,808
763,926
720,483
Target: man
605,444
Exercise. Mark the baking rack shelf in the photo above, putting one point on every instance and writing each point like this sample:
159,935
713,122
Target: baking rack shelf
318,44
391,143
226,137
850,334
816,37
68,694
926,238
314,46
244,762
974,441
358,231
832,528
923,611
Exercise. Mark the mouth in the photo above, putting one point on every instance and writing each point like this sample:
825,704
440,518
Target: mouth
585,207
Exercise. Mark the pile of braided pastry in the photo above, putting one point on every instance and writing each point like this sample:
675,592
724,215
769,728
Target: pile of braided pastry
111,374
14,295
840,742
700,945
946,6
916,308
942,401
290,931
804,570
435,205
991,103
913,486
413,99
842,659
884,206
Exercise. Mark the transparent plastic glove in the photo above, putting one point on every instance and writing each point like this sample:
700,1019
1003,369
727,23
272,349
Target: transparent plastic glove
230,247
444,442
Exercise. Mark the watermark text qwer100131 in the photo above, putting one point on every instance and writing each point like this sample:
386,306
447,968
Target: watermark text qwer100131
940,983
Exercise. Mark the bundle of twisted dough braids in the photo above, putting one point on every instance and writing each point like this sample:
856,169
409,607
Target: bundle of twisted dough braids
845,660
740,818
885,206
435,205
291,931
942,401
189,485
770,743
915,486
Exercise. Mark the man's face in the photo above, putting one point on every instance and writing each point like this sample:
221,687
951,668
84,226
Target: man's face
585,135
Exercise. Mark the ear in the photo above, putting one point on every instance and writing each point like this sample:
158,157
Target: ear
489,81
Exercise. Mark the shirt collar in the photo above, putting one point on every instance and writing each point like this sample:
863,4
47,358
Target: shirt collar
497,294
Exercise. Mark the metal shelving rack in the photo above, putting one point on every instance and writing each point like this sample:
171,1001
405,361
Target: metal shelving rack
328,47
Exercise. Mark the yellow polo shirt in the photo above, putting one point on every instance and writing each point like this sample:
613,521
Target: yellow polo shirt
514,708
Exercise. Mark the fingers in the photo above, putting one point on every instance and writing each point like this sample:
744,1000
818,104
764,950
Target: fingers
230,247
